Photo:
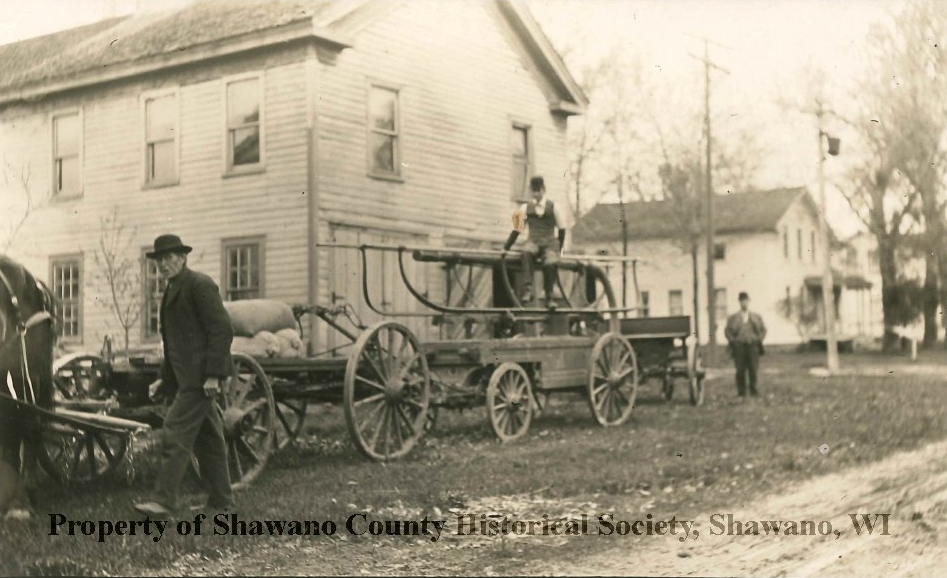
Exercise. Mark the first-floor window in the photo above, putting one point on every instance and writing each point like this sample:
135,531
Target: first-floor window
675,302
66,274
154,290
243,269
720,304
644,306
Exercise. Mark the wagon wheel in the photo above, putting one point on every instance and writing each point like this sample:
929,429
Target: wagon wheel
71,454
613,380
249,420
509,402
82,376
387,391
291,417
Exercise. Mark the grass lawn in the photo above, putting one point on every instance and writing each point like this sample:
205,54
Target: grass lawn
670,459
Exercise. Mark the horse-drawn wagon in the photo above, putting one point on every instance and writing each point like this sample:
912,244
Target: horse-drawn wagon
499,352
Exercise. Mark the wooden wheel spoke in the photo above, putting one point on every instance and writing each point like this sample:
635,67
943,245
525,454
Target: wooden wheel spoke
369,382
403,368
599,389
249,449
255,405
382,423
407,421
381,373
238,465
370,399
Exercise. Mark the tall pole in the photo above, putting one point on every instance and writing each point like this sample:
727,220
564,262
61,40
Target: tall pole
709,225
828,291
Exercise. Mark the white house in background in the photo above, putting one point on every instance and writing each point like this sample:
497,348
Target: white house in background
257,129
767,244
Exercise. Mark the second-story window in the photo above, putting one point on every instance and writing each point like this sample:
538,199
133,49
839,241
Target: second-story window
161,119
67,145
384,125
244,98
520,151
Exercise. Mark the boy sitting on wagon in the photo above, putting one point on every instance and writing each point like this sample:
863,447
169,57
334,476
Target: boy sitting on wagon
547,235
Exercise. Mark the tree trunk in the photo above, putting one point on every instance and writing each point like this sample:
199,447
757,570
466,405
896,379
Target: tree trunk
930,301
889,278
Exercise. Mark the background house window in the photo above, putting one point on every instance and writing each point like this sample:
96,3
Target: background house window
519,145
154,290
720,251
799,243
243,122
675,302
243,269
66,274
812,244
160,139
720,304
384,135
644,305
67,140
785,243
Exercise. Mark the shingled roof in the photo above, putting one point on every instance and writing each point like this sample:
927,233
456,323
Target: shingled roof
757,211
72,53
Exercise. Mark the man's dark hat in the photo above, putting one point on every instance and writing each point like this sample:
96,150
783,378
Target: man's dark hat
168,244
536,183
743,295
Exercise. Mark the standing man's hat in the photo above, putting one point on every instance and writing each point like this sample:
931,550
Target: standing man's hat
537,183
168,244
743,295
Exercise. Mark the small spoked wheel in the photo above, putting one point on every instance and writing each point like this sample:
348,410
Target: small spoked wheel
72,454
249,420
613,380
81,376
386,392
291,417
509,401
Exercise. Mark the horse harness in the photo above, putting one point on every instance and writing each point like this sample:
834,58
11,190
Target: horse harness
22,327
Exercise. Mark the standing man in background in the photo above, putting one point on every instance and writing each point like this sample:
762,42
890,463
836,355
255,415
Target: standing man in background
745,332
547,235
197,335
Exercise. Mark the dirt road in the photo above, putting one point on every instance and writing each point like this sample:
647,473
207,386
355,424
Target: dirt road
911,487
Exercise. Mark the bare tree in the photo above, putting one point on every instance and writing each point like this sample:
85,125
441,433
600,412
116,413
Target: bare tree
120,273
19,217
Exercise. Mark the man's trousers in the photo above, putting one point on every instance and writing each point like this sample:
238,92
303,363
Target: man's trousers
746,358
193,423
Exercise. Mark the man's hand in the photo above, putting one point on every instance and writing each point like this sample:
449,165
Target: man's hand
211,386
153,390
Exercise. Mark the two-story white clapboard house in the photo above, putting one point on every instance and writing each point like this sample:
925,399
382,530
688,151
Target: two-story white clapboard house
767,244
256,130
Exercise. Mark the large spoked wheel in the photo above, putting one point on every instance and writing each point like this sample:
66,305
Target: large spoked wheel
613,380
70,454
509,401
249,420
291,416
387,391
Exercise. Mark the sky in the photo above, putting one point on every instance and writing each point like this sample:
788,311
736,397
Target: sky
766,45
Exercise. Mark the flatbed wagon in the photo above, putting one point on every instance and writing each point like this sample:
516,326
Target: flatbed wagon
505,354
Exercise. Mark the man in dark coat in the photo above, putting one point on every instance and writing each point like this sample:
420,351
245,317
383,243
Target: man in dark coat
745,332
197,335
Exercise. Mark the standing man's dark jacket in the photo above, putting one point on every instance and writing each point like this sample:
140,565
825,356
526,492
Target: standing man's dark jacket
196,331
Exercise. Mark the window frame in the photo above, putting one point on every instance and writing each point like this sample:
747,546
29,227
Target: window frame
231,169
527,127
679,293
70,258
786,242
644,304
720,251
54,193
812,244
145,98
398,133
232,242
799,243
146,263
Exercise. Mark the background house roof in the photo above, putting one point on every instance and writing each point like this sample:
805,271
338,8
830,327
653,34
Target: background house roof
756,211
127,39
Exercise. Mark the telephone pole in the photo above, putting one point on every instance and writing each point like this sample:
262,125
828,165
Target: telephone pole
828,286
709,191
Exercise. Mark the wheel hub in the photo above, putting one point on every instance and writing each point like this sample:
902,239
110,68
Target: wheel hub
237,422
394,390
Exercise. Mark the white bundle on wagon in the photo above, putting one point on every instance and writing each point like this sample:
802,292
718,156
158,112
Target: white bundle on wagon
264,328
